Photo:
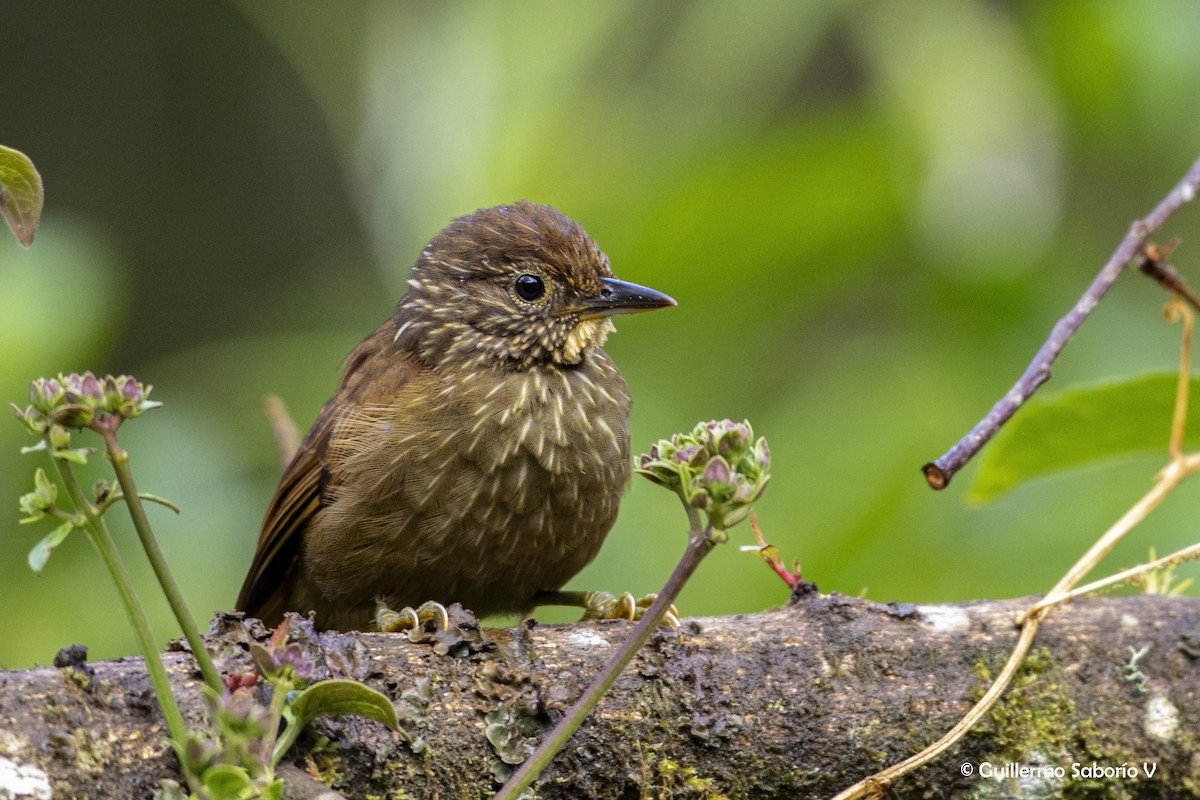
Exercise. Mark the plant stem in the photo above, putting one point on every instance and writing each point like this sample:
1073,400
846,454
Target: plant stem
103,542
119,458
1124,576
1166,482
276,742
699,545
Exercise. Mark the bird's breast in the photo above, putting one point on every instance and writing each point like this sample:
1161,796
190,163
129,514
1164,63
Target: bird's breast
569,422
489,488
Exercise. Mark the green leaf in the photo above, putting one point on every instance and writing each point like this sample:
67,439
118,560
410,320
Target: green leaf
227,782
40,553
1080,426
327,698
20,194
342,697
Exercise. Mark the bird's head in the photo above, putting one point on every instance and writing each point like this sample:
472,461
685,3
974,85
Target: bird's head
513,286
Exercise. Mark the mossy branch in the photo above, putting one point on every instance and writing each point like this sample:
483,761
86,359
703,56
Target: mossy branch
797,702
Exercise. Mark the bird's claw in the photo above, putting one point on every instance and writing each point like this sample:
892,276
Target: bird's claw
410,620
603,605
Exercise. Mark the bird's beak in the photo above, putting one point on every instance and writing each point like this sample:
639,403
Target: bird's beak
622,297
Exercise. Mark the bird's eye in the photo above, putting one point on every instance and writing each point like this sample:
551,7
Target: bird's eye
529,288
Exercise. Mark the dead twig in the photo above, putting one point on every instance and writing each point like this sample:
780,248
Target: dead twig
1133,249
287,438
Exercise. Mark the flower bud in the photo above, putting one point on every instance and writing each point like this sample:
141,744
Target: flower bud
292,657
762,454
237,713
33,420
45,393
199,753
716,467
717,473
732,439
89,388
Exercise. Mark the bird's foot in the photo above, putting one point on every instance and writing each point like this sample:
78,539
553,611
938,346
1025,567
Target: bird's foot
411,620
603,605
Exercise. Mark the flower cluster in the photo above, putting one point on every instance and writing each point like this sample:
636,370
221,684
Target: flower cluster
235,761
77,399
283,664
717,468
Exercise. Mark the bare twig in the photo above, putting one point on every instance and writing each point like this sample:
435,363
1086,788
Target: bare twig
939,472
287,438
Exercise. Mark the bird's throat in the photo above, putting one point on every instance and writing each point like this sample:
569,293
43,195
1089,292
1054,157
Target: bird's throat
588,334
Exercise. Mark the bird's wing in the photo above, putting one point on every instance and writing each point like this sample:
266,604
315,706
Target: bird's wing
295,502
375,371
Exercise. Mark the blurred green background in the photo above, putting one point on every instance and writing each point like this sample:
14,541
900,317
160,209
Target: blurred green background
871,215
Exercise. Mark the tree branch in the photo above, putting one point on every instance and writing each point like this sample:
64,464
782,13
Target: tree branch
798,702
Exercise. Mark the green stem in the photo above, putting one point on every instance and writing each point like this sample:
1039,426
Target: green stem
102,540
119,458
280,743
693,515
699,545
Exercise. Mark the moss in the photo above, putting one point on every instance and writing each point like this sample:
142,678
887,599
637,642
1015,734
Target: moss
325,764
92,754
1035,716
672,780
1036,721
76,677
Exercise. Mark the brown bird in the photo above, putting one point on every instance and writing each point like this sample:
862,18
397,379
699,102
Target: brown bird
477,446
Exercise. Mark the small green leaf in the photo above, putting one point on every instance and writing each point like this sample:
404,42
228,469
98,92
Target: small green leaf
227,782
331,697
40,553
77,456
342,697
47,492
1080,426
20,194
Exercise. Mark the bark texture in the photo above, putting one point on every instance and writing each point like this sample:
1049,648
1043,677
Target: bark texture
796,702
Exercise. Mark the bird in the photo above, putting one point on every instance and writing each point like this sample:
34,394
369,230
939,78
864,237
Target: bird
477,446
